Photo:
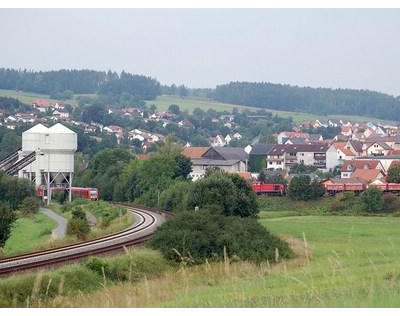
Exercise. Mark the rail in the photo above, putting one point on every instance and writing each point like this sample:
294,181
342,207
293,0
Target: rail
150,219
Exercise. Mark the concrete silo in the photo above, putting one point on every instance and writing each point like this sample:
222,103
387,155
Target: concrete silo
54,163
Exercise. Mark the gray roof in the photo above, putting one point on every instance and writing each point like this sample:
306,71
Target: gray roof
296,140
232,153
315,137
357,145
214,162
347,181
261,149
318,148
378,157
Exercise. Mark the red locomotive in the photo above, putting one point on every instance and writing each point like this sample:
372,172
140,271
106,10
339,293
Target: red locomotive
268,189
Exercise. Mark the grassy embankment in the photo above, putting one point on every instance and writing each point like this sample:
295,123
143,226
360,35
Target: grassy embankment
28,233
32,233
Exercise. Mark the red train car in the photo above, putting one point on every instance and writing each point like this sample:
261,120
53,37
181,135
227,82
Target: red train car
83,193
268,189
334,188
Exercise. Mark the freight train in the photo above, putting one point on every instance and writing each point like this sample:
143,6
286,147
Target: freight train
330,189
83,193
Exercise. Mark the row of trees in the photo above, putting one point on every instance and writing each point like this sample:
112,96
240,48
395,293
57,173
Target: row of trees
11,105
310,100
79,81
15,194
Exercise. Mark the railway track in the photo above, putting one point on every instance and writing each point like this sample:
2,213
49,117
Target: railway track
149,220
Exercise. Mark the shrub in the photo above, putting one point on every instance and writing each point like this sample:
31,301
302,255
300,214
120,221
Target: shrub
7,218
373,200
194,237
391,203
78,225
30,205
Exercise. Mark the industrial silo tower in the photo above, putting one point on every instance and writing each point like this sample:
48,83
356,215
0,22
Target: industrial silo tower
53,163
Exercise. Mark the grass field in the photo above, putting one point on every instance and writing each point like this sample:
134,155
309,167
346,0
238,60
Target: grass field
29,233
342,261
189,104
354,262
28,97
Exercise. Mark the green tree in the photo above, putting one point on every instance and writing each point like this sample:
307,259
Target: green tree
373,200
299,188
13,190
183,91
174,108
175,197
7,218
228,194
394,175
184,166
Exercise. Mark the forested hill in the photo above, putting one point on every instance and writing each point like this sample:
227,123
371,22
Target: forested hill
80,82
311,100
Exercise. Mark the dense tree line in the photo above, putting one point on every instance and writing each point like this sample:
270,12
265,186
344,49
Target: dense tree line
11,105
79,82
311,100
9,141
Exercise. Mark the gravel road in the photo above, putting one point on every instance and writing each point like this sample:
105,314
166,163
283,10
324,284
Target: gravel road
61,229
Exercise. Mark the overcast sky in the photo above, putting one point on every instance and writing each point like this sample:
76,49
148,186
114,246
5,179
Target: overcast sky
202,48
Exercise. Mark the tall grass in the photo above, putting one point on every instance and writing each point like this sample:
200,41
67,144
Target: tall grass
51,287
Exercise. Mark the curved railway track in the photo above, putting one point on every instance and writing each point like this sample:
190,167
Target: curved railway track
149,220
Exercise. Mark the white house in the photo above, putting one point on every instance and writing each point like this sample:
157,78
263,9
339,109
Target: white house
217,141
228,139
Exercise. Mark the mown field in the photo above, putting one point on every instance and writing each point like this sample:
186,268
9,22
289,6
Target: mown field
28,97
189,104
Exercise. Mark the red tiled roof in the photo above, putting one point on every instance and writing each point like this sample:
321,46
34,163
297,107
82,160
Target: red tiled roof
42,103
368,175
342,147
195,152
359,164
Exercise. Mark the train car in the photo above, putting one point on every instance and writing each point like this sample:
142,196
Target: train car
268,189
393,187
333,188
83,193
383,187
